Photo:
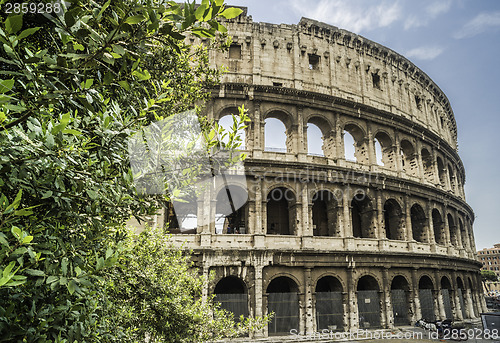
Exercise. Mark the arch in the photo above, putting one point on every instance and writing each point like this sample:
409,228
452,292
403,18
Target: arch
283,300
281,211
453,230
226,121
451,178
446,293
360,153
393,220
385,152
400,298
181,217
231,212
362,217
329,304
408,158
322,123
438,227
325,214
463,234
231,293
418,224
276,135
425,287
441,171
460,291
368,302
427,165
315,140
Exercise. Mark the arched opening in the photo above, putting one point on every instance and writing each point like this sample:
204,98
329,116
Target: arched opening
368,302
324,214
463,234
400,298
425,287
275,137
461,298
446,293
427,165
329,306
438,227
281,212
354,146
314,140
408,160
231,293
283,300
231,210
451,176
181,218
384,150
418,224
393,220
362,217
441,172
453,230
349,147
227,122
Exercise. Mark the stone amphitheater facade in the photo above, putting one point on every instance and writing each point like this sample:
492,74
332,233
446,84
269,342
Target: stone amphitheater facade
327,243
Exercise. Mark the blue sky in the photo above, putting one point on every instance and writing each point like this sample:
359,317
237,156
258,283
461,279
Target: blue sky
456,43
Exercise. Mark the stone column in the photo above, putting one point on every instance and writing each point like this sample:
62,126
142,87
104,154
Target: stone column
387,320
397,157
301,147
259,304
352,300
430,228
381,234
447,228
339,138
309,322
416,300
409,231
458,306
440,313
372,154
307,223
346,202
435,167
257,130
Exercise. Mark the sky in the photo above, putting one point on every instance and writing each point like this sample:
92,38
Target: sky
457,44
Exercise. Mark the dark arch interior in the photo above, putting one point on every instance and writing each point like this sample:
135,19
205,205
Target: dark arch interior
280,213
367,283
438,226
362,216
445,283
232,206
324,214
460,283
230,285
418,221
392,220
399,282
425,283
282,284
328,284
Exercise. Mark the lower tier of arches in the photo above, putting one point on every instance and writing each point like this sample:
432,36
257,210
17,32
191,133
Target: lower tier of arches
310,293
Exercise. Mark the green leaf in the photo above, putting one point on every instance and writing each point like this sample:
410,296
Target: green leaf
27,239
72,287
23,212
13,23
124,85
92,194
64,266
109,252
8,269
28,32
232,12
6,85
134,19
16,232
118,49
35,272
3,240
15,203
51,279
78,46
72,132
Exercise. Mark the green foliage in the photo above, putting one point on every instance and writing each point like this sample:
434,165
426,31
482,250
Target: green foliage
73,87
488,275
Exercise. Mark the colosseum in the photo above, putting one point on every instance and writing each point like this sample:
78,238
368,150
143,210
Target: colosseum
329,241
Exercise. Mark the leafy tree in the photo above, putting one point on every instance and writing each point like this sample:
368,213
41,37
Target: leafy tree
488,275
73,86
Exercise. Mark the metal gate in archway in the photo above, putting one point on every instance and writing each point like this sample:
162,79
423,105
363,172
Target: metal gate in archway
400,307
329,311
235,303
462,303
286,312
427,304
368,309
447,303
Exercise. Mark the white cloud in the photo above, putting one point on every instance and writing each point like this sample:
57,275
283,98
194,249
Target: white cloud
479,24
425,52
354,16
432,11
